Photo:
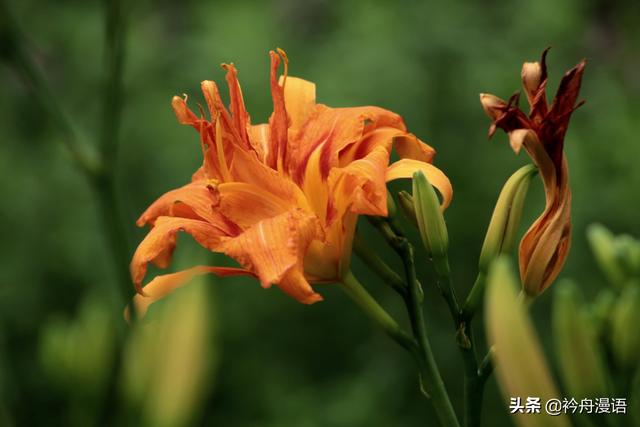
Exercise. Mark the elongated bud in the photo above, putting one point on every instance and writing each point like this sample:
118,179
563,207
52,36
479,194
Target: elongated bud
627,251
601,310
433,229
505,221
391,206
406,206
625,339
603,247
574,334
176,345
520,365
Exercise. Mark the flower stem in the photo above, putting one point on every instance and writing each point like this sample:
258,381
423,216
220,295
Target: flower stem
373,261
473,382
14,49
474,299
96,166
375,312
429,371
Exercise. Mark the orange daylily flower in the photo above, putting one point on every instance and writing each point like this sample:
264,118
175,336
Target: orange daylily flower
281,198
544,247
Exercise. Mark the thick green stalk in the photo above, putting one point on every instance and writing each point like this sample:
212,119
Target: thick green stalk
14,50
375,312
115,33
105,182
473,383
98,174
473,380
373,261
474,299
430,374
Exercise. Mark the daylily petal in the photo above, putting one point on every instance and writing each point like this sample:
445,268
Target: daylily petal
360,186
544,248
275,245
161,240
295,285
518,137
534,81
336,130
409,147
238,111
246,204
405,168
183,113
163,285
219,112
379,137
492,105
260,139
201,197
299,99
278,120
247,168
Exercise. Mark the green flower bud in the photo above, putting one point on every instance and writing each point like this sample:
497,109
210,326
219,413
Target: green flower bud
520,365
433,230
77,353
405,200
505,221
601,309
391,206
168,358
625,340
576,343
627,252
604,249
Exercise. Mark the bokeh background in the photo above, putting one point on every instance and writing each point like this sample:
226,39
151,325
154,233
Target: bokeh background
269,361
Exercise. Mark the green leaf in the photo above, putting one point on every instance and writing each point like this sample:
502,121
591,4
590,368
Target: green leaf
520,365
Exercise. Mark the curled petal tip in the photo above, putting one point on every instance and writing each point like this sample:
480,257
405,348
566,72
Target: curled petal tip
312,299
492,105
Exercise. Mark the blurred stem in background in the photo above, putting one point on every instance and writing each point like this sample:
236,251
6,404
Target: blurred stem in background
97,165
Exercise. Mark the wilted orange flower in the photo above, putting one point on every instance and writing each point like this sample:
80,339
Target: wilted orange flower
281,198
544,247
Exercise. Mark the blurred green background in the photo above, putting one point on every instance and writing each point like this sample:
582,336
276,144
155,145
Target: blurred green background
274,362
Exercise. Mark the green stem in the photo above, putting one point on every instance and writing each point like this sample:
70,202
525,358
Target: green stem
115,27
473,381
375,312
474,299
373,261
105,183
445,286
486,366
429,371
14,50
97,167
